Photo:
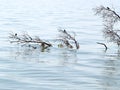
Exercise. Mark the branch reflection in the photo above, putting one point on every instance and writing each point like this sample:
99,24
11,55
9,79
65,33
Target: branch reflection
110,73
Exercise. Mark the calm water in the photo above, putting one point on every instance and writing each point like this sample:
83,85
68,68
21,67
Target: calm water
89,68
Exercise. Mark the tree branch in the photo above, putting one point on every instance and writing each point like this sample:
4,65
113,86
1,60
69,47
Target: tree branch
103,45
25,38
66,37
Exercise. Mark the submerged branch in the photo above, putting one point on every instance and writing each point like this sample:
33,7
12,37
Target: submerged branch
110,17
25,38
103,45
66,38
107,14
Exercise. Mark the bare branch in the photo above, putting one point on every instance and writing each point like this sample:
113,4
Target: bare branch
107,14
25,38
110,17
66,38
103,45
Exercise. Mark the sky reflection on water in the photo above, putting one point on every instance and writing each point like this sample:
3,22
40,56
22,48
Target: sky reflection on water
89,68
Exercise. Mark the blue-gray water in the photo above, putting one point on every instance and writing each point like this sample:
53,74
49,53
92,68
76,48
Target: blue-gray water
89,68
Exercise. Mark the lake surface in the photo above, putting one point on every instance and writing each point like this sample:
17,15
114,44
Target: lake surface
89,68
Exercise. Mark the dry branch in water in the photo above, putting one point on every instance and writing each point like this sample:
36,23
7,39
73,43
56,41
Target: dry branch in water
107,14
67,40
103,45
110,17
27,39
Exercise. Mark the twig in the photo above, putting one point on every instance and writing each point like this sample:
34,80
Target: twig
107,8
107,14
103,45
65,37
110,17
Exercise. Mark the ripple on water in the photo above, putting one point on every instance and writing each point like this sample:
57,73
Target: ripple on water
89,68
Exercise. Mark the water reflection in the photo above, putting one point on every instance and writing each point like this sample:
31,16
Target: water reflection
118,54
26,54
110,73
50,56
68,57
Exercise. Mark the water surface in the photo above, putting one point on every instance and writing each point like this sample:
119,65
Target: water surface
89,68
